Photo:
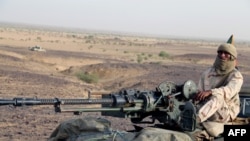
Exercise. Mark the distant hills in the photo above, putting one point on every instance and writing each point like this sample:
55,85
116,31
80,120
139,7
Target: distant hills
92,31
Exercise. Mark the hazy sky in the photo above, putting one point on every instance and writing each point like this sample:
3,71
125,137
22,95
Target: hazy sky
179,18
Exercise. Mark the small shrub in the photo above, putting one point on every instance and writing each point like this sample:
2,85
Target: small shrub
139,59
88,78
163,54
39,38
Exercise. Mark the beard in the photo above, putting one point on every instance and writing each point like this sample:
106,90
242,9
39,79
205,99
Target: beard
223,67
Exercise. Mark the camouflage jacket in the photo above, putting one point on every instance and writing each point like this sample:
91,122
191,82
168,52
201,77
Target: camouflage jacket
225,87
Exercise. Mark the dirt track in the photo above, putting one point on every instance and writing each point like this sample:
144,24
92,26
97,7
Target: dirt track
36,74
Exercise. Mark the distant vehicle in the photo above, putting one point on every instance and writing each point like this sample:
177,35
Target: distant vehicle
37,48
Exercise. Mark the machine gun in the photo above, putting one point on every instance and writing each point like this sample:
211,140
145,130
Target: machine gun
128,103
159,104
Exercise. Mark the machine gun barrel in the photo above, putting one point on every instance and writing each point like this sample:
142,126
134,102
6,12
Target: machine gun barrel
55,101
115,102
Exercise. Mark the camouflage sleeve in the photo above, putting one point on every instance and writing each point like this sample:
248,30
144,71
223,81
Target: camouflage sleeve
232,88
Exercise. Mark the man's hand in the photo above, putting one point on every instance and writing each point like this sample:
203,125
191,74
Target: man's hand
202,95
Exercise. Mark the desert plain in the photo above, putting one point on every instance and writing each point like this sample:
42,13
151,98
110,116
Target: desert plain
112,62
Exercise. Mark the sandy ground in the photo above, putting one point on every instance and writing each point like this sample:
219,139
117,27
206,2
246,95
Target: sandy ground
119,61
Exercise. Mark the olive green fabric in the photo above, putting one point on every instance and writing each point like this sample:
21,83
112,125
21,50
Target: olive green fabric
157,134
97,129
88,128
231,40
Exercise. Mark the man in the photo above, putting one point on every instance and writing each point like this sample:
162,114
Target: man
218,88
